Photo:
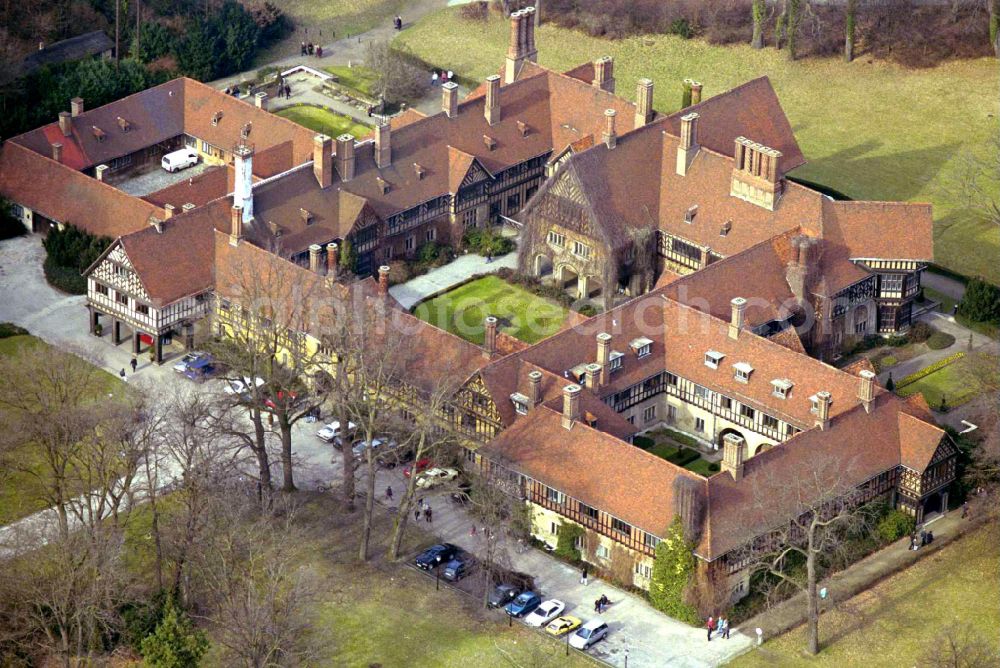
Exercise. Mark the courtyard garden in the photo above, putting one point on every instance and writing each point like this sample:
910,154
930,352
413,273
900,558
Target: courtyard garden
677,448
847,117
521,314
323,120
952,381
913,613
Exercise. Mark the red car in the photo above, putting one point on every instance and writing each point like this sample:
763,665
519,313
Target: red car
421,465
281,395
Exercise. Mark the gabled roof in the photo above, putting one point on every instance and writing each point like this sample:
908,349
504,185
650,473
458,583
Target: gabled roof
199,190
918,441
67,50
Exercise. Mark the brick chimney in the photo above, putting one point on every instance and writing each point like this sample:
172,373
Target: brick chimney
76,106
65,123
235,225
643,102
756,173
687,147
609,137
345,156
733,455
383,281
323,160
57,152
866,390
449,99
489,336
799,271
695,92
571,406
331,259
823,401
492,108
604,74
383,145
535,387
593,377
522,43
100,172
260,100
316,259
604,356
736,320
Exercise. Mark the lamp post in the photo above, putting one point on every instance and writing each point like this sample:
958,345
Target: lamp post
437,578
626,657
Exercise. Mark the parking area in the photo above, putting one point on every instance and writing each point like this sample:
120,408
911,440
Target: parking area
153,177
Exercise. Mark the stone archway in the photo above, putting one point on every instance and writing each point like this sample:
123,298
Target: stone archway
543,265
763,447
720,438
567,277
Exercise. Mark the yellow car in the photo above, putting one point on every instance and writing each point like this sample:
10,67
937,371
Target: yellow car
563,625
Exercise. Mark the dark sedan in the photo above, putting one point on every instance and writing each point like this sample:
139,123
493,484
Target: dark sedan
502,595
436,555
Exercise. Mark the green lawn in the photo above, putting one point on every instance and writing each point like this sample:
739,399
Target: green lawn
870,129
358,78
671,445
895,622
22,470
957,383
323,22
324,120
522,314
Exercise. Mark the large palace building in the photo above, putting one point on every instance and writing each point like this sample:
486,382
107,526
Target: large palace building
726,285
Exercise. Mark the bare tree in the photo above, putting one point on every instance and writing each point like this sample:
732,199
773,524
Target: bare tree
960,646
850,24
977,180
396,78
758,10
825,509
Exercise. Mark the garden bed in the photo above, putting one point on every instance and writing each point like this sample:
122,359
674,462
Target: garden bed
951,382
677,448
323,120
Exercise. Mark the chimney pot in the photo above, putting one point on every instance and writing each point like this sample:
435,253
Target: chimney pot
733,455
383,145
866,390
644,102
823,401
383,280
315,259
101,172
610,137
76,106
492,108
331,259
260,100
235,224
489,336
535,382
739,305
57,152
695,92
187,207
449,99
66,123
345,156
571,406
323,160
168,211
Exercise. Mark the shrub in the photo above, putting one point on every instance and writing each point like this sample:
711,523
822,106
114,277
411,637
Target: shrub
714,467
175,643
486,242
981,302
673,568
8,329
399,272
940,340
894,526
921,331
67,279
928,370
475,11
644,442
566,541
588,310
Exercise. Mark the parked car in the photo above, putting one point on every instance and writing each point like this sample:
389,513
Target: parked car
201,369
379,445
181,159
421,465
502,594
269,402
241,386
434,477
436,555
332,430
188,360
458,568
545,613
524,604
563,625
594,630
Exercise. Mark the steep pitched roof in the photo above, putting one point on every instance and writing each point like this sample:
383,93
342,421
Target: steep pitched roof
69,197
918,441
199,190
74,48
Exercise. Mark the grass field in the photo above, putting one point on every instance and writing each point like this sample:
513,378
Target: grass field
323,21
324,120
957,383
358,77
522,315
22,471
870,129
894,623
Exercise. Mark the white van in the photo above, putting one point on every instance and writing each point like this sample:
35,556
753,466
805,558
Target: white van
182,159
594,630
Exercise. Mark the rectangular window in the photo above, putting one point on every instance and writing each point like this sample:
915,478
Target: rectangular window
649,413
602,551
649,540
712,359
742,371
553,528
769,421
643,570
142,308
410,243
17,211
554,496
581,249
388,252
671,414
557,239
671,379
615,363
747,412
699,425
469,218
513,203
702,392
588,511
101,289
520,403
631,419
726,403
121,298
620,527
431,234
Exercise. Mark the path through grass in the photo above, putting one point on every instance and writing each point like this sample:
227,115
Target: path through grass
323,120
522,315
871,129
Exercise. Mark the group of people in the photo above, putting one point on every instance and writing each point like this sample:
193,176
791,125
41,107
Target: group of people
443,77
917,541
310,49
233,90
284,89
719,626
601,604
425,508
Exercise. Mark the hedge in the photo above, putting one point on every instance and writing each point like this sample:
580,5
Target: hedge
926,371
894,526
644,442
9,329
67,279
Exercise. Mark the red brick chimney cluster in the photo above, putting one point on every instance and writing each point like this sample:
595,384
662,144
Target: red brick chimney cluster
604,74
522,42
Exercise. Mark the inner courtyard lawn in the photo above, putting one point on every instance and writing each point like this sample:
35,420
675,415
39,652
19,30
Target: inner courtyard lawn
522,314
894,623
358,77
870,129
324,120
22,470
956,383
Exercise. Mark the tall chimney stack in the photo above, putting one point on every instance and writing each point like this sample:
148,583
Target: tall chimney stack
604,356
866,390
383,281
76,106
168,211
383,145
57,152
593,377
522,43
609,136
571,406
535,385
449,99
331,259
323,160
733,455
316,259
100,172
687,147
345,156
604,74
823,401
739,305
66,123
643,102
489,336
492,109
235,225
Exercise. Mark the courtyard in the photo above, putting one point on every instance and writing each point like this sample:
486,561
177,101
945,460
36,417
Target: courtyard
680,449
151,178
523,315
323,120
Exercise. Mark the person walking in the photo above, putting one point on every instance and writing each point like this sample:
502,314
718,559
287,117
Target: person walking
965,510
434,78
388,492
134,363
303,49
597,606
472,531
427,514
121,374
724,627
583,576
416,514
710,626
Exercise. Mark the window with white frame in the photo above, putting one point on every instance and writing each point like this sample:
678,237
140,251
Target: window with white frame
17,211
781,387
469,218
589,511
699,425
649,413
554,495
712,359
410,243
554,528
620,526
615,360
726,403
520,403
747,412
769,421
742,371
431,234
642,346
702,392
557,239
649,540
602,551
101,289
581,249
644,571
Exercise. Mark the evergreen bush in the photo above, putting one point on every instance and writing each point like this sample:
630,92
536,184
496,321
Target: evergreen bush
175,643
566,541
894,525
8,329
981,302
673,569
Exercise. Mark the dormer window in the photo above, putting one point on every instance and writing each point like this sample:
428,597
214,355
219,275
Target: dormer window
781,387
615,360
814,404
690,214
520,403
245,132
216,117
742,372
642,346
712,359
726,227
